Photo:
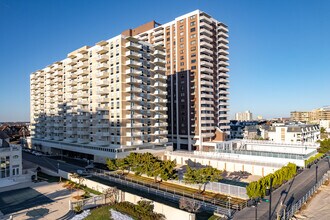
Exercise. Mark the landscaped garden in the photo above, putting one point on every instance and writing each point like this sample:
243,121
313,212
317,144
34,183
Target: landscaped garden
142,211
147,169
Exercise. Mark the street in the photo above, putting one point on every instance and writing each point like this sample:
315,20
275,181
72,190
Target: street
50,163
289,193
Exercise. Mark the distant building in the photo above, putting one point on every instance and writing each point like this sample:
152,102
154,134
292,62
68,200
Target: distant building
256,132
294,133
325,124
313,116
243,116
237,128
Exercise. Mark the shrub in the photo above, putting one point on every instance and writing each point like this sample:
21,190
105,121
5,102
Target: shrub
258,188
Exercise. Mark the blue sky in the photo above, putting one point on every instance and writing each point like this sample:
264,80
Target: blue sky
279,50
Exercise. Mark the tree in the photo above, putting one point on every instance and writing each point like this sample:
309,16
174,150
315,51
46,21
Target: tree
324,146
111,194
189,205
202,176
80,179
118,164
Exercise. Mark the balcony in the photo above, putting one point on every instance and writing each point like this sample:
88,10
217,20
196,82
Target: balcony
132,134
134,107
160,77
73,83
204,18
71,62
134,89
223,41
83,72
134,116
83,80
103,83
207,64
102,50
160,108
223,64
133,63
103,66
223,92
164,124
103,100
223,35
102,58
133,54
206,25
159,69
132,143
133,81
206,44
83,102
159,53
206,57
159,100
82,57
102,116
206,70
206,31
82,64
160,84
133,72
223,69
160,92
134,125
133,46
223,52
223,58
223,46
102,75
103,91
159,38
83,87
223,29
71,69
158,116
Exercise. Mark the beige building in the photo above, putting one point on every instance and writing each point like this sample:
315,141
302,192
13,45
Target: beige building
313,116
243,116
136,90
101,100
196,48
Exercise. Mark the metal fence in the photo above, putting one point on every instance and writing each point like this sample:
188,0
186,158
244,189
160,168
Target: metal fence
288,214
214,205
218,187
88,203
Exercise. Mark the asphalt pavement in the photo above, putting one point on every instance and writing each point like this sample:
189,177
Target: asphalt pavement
288,194
49,163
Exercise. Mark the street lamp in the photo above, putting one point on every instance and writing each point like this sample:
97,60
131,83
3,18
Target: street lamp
317,166
270,198
58,171
229,211
256,201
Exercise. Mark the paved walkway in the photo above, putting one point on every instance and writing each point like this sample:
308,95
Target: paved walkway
51,211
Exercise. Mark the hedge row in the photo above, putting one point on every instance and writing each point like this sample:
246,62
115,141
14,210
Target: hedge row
312,159
258,188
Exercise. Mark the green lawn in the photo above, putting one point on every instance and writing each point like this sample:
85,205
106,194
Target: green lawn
101,213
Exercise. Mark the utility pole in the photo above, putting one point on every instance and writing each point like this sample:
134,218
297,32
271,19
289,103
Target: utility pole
316,173
270,198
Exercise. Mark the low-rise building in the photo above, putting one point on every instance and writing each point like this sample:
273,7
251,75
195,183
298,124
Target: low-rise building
237,128
294,133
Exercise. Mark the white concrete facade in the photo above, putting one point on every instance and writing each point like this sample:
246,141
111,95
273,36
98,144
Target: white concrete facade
294,133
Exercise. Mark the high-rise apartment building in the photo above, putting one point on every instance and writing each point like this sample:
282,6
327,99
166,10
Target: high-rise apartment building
244,116
196,48
313,116
101,100
136,90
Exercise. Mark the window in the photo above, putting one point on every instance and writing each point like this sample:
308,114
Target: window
181,63
193,42
181,51
193,67
181,27
192,23
192,17
193,36
193,55
193,48
181,45
192,29
182,58
181,39
181,33
193,61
